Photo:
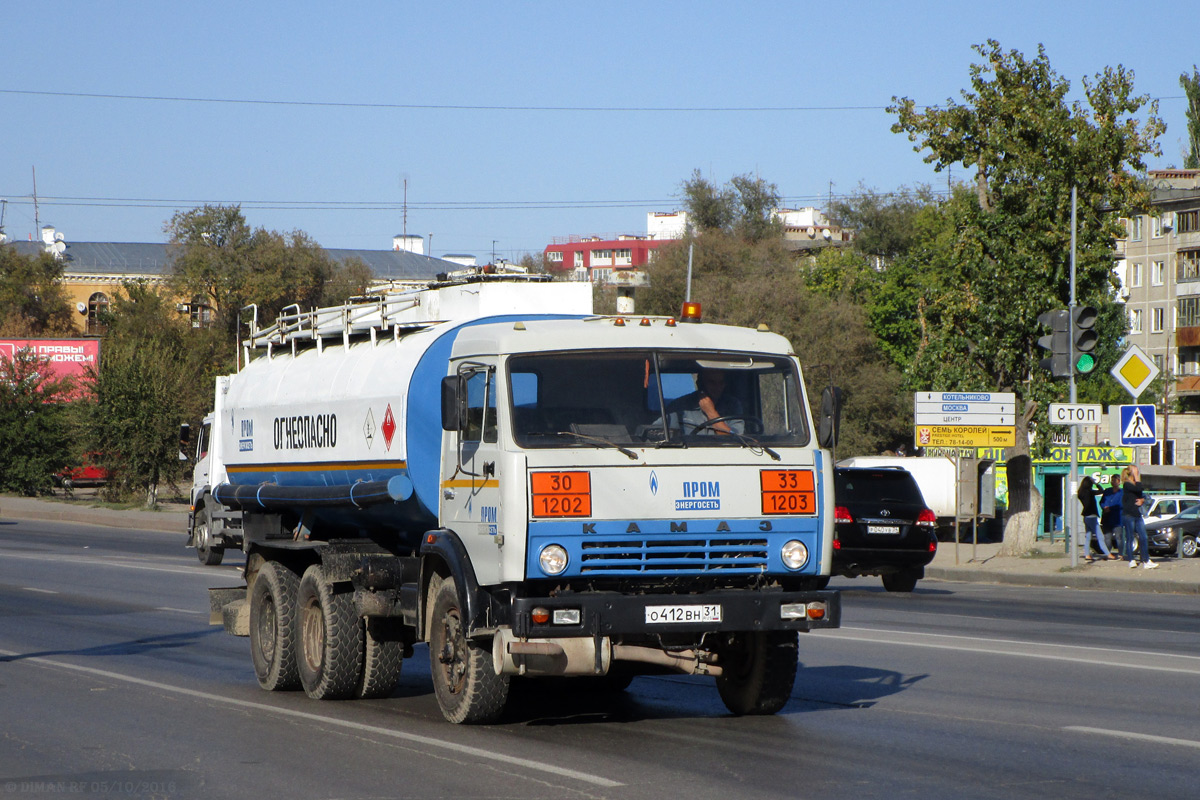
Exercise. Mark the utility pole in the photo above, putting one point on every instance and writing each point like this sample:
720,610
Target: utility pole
37,219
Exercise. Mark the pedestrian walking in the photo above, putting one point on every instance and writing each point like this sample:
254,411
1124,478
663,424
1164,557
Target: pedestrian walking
1131,514
1091,518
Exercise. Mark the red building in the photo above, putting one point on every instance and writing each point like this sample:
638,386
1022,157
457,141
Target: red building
600,256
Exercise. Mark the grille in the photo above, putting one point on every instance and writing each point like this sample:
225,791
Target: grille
673,556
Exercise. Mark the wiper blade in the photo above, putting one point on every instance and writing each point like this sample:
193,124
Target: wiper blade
600,441
753,444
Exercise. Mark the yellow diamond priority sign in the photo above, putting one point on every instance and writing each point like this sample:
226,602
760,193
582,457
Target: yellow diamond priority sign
1135,371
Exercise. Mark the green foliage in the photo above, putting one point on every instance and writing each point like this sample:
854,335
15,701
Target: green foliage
32,300
884,224
1000,254
219,259
1191,88
744,207
34,441
747,283
155,372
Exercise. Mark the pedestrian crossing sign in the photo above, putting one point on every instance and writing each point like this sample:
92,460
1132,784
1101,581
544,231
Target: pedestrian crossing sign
1137,425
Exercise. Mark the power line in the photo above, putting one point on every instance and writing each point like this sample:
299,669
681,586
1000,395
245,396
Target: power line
436,106
390,205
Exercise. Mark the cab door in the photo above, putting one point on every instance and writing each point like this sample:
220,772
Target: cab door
470,497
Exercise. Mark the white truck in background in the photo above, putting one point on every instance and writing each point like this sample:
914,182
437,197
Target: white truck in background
944,493
486,466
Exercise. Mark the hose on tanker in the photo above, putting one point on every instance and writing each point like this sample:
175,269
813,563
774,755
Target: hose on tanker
272,496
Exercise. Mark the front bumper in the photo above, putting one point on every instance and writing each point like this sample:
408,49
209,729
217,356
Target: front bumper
617,615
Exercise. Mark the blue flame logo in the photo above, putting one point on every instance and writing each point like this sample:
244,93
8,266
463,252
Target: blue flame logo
653,482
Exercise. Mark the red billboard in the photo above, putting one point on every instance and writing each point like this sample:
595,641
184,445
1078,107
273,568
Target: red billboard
64,357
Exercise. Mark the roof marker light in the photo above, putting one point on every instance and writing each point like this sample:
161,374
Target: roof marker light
645,323
619,322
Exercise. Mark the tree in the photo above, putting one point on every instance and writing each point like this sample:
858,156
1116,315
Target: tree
1002,255
220,260
744,207
34,435
32,300
155,372
1191,88
884,225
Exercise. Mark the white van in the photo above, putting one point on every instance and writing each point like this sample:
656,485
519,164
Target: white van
1160,507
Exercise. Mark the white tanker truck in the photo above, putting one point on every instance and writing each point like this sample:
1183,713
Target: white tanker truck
488,467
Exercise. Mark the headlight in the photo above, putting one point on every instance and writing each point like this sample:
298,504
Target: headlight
553,559
795,554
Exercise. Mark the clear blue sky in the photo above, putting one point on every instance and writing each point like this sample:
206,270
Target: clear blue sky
476,105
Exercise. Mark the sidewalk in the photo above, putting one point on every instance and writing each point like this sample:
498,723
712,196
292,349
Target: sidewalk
170,518
1053,568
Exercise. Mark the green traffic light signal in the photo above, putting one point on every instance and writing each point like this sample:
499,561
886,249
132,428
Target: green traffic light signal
1083,338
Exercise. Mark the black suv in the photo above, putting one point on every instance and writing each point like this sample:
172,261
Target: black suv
882,526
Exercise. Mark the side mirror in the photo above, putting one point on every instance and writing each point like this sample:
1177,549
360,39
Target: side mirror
185,433
453,395
830,420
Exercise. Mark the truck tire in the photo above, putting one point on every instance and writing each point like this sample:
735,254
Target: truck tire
902,580
758,671
210,555
467,687
383,659
329,638
273,626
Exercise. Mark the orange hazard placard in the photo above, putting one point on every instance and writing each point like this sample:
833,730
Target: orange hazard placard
788,491
561,494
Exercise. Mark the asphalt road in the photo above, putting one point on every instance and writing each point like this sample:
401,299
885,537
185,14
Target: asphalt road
112,684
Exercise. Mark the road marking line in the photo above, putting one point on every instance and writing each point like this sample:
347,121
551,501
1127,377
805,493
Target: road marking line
428,741
1141,737
39,591
179,610
103,561
1009,647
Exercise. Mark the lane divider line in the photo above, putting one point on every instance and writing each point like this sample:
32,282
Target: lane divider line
1141,737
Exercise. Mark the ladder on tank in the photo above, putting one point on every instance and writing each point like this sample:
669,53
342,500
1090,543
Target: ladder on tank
396,313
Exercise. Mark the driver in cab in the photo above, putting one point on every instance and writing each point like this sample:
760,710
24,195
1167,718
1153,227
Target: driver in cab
708,410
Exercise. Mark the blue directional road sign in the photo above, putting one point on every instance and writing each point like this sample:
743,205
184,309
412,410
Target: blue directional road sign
1137,425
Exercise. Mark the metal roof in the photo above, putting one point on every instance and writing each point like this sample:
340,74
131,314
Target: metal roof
135,258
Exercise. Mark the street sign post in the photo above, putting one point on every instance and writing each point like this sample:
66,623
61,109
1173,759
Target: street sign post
1075,413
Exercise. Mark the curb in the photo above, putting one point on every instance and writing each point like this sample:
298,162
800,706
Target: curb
1064,580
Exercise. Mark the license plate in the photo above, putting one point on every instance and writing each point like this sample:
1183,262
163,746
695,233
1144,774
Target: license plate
656,615
883,529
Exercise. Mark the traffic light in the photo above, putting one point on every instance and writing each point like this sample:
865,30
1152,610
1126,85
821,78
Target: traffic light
1083,338
1071,341
1058,342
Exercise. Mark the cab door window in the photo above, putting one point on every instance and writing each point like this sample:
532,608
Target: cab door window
481,406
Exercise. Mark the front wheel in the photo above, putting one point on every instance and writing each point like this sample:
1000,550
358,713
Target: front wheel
758,670
210,554
466,684
330,639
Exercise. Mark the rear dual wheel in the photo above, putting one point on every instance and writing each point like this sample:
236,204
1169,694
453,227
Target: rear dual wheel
330,638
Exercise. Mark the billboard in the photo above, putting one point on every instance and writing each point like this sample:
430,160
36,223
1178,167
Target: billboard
64,357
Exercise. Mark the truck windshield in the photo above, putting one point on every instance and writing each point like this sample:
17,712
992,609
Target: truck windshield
664,398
